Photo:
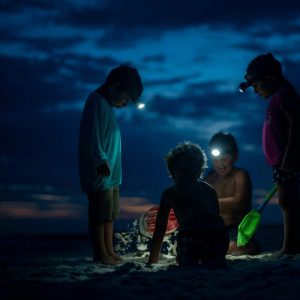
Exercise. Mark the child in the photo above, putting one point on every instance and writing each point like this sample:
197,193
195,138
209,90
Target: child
234,188
202,236
281,142
100,156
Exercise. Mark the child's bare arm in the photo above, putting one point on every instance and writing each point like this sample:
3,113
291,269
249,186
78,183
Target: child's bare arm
160,229
235,206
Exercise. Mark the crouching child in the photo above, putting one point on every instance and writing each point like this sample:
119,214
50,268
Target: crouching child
202,235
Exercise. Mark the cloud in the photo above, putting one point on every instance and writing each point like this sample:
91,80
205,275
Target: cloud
133,208
41,147
27,83
121,23
169,81
155,59
33,211
169,14
20,5
30,84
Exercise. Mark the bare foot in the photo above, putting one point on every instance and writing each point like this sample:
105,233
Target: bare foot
115,256
249,249
278,254
283,252
106,260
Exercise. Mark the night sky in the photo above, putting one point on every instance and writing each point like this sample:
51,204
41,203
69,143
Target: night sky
191,55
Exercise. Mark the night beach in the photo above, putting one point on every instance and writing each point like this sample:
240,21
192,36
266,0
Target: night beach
60,267
125,119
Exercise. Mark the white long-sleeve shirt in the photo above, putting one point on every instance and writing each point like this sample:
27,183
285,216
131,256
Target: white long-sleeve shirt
99,142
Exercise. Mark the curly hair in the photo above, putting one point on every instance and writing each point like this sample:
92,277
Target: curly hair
187,160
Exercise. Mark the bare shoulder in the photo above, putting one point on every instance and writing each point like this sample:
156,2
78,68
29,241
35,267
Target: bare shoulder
242,177
241,173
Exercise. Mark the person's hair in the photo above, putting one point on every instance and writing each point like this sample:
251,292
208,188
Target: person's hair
264,65
128,78
187,160
224,141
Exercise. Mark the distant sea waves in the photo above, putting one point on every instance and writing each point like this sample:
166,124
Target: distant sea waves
127,239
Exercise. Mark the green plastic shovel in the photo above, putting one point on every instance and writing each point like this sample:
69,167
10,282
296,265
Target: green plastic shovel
249,224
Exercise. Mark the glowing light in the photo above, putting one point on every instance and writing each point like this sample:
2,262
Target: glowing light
215,152
243,86
140,105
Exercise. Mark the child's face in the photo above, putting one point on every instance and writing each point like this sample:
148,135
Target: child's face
260,90
224,164
120,99
263,88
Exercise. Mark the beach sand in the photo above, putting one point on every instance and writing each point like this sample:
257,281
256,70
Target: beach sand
61,267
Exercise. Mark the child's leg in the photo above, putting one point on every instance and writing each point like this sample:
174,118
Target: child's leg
251,248
216,248
289,201
96,229
108,238
233,233
187,250
97,237
111,212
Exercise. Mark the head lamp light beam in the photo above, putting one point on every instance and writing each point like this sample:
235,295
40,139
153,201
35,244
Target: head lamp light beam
140,105
215,152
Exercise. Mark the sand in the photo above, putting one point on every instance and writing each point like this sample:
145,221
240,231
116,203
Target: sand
65,271
258,277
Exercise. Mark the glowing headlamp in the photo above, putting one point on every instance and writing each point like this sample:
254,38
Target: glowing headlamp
140,105
243,86
215,152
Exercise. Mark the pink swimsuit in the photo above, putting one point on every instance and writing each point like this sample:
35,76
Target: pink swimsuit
276,126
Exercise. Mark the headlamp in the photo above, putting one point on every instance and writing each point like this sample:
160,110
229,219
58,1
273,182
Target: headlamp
216,152
243,86
140,105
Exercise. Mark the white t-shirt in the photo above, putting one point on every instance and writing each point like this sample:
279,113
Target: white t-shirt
99,141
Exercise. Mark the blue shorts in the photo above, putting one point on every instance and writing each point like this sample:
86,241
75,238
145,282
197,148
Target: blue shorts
279,176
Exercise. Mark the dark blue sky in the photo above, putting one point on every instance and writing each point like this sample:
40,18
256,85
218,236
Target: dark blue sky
191,55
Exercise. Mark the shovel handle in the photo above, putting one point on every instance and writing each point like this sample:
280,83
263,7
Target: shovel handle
267,198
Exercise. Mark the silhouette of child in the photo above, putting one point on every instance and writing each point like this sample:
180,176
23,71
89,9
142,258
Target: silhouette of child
281,142
202,236
100,156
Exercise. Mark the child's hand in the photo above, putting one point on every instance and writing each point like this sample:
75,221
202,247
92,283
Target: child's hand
104,170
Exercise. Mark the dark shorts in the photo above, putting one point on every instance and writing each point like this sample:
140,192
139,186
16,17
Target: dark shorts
104,205
279,176
202,246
